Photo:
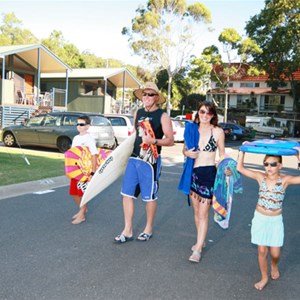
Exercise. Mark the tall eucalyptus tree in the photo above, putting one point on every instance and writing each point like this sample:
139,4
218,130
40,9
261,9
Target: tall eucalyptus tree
164,34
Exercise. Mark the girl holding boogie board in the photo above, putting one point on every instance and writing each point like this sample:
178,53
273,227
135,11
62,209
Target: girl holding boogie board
267,229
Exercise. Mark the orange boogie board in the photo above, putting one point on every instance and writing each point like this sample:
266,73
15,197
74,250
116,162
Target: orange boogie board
78,162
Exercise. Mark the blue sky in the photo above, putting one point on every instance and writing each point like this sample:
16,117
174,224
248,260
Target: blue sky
97,25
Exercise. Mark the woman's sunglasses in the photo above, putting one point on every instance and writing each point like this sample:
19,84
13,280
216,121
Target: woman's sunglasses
202,112
81,124
272,164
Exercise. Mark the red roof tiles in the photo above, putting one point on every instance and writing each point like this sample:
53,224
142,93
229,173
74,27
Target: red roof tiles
243,76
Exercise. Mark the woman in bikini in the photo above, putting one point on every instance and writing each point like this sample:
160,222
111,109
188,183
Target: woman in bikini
204,170
267,226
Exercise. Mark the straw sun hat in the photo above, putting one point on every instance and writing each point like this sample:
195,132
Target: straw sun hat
149,86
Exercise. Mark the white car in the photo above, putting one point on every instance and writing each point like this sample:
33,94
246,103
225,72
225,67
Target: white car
272,132
178,130
180,117
122,125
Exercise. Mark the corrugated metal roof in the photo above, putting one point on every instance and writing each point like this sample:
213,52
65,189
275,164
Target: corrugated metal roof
87,73
29,53
115,75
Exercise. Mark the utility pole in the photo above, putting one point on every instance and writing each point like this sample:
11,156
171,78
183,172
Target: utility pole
226,106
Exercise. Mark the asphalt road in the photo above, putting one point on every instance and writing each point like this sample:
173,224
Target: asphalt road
44,256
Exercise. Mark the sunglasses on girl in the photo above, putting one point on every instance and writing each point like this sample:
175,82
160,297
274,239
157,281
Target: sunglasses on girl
272,164
149,94
81,124
202,112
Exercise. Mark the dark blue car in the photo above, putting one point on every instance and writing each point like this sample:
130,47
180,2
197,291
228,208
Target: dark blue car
238,132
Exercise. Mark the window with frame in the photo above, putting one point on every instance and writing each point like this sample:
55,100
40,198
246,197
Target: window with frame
219,85
91,88
248,100
249,84
273,99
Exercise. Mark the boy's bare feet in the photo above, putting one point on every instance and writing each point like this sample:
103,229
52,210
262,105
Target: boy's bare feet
261,284
78,220
275,272
75,216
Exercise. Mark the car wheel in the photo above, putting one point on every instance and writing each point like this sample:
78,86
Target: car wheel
64,144
9,139
234,137
272,136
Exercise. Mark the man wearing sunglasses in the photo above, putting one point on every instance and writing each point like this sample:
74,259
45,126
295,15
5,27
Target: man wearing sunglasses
154,130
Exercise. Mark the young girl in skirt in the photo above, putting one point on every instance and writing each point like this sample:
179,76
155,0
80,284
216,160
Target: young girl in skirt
267,226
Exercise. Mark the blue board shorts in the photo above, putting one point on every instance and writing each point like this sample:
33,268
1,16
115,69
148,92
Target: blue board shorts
141,178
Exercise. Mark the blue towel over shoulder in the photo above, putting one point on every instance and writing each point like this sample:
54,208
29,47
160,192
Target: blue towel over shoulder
191,139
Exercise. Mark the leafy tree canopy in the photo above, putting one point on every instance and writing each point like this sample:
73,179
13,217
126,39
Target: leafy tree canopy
67,52
11,32
276,30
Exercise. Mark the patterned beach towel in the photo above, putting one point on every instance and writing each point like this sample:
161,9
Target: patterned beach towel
148,152
224,188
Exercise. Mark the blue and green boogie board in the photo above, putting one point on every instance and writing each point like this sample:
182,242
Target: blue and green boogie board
271,147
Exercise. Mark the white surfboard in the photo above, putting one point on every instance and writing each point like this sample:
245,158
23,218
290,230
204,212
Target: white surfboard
110,170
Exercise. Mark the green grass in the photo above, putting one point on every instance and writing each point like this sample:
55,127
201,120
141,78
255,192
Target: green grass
14,169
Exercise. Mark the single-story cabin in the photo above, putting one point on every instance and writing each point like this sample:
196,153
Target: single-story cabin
20,81
94,90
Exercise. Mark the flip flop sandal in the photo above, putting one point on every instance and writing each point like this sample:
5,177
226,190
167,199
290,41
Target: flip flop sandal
195,257
144,237
121,238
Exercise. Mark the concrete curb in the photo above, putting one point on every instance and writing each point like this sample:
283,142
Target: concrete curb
30,187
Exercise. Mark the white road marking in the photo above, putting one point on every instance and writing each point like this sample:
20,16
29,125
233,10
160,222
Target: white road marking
44,192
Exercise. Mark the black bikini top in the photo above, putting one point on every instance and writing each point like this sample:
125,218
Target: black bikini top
211,146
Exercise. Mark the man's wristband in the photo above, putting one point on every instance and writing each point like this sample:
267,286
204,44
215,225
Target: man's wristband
155,142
